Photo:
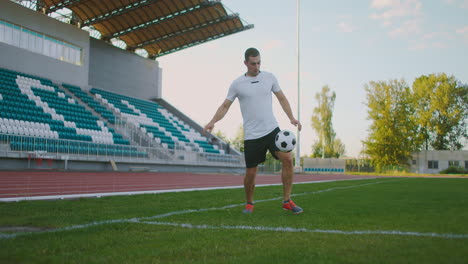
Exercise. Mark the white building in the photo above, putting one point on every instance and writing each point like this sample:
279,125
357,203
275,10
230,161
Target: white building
433,161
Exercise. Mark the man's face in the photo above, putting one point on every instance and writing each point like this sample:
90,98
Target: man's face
253,66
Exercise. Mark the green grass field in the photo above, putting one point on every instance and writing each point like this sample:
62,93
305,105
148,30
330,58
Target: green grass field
384,220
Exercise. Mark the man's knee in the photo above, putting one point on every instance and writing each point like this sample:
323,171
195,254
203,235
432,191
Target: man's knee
251,172
285,158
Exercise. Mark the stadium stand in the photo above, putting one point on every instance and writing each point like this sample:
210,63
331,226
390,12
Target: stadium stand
91,102
47,110
36,115
157,122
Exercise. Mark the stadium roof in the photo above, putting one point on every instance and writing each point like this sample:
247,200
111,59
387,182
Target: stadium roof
158,26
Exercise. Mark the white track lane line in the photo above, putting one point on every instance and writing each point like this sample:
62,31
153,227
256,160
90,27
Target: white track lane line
94,194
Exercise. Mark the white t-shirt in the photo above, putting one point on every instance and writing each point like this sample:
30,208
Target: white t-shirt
255,99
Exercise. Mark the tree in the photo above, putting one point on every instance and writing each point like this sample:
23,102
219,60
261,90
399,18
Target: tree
393,131
238,141
339,148
441,111
221,136
322,124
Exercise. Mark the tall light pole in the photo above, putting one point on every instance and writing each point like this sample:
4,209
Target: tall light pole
298,148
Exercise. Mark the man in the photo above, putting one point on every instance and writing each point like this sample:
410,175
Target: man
254,90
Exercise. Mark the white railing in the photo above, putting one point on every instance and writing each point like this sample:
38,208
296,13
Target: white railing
135,134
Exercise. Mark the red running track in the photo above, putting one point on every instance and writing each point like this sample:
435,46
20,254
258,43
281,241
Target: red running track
15,185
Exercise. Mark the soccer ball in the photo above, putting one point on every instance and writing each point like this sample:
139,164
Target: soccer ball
285,141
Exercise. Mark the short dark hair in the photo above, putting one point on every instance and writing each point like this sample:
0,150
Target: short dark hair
251,52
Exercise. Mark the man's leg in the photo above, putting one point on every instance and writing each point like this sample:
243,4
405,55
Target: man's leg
287,173
249,183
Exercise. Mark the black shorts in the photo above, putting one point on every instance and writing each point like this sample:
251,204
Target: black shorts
255,149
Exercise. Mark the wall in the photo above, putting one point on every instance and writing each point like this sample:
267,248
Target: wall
22,60
123,72
15,164
420,160
103,65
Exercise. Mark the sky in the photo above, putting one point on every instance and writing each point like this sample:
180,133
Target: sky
343,44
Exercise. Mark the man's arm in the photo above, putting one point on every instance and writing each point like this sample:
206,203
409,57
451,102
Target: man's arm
220,113
287,109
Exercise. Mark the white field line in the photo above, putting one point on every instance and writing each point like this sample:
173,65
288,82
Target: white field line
136,220
257,228
260,201
68,228
305,230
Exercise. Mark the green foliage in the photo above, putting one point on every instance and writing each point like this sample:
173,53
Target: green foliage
222,136
392,133
238,141
359,165
441,111
327,145
430,115
454,170
339,148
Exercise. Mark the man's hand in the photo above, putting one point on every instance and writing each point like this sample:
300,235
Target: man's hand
296,123
208,128
222,110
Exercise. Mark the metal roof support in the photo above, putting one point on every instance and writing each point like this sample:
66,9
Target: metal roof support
196,27
75,20
134,6
163,19
63,4
41,7
250,26
120,11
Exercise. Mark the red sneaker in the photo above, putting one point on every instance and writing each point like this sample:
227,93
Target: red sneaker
290,205
248,208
